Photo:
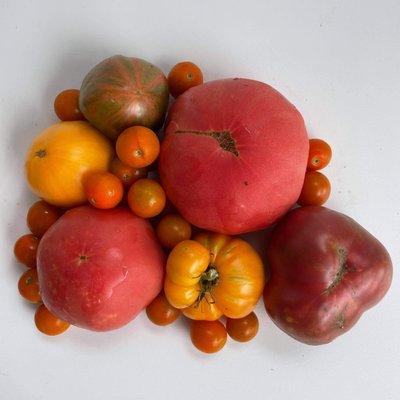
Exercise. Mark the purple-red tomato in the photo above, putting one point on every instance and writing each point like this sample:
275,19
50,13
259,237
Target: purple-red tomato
99,268
120,92
325,271
234,156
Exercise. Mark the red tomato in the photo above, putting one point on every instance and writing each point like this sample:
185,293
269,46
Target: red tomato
316,189
41,216
208,336
319,156
103,190
28,286
242,329
325,272
146,198
173,229
127,174
160,312
25,250
183,76
66,105
48,323
95,263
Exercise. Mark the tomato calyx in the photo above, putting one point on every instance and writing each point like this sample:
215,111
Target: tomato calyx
224,139
41,153
208,279
316,161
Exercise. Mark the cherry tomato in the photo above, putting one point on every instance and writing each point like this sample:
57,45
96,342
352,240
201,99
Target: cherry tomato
103,190
66,105
160,312
316,189
125,173
319,155
208,336
28,286
138,146
146,198
48,323
173,229
25,250
183,76
41,216
242,329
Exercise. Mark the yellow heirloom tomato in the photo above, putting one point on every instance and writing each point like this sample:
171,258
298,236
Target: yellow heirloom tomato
214,275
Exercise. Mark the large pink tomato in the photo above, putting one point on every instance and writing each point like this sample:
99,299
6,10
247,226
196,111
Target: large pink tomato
98,268
234,156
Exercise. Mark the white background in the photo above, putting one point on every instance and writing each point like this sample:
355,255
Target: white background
337,61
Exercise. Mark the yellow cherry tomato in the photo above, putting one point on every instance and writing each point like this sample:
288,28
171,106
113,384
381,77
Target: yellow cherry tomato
214,275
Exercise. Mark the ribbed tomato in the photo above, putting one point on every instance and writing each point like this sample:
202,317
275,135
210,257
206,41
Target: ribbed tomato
214,275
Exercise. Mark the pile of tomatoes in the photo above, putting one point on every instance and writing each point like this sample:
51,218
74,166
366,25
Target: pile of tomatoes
137,149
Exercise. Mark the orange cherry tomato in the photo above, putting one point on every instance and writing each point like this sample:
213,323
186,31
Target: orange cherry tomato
208,336
41,216
183,76
242,329
319,156
125,173
316,189
138,146
48,323
28,286
103,190
160,312
146,198
25,250
66,105
173,229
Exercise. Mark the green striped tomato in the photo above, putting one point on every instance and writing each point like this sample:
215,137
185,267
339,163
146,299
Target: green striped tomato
120,92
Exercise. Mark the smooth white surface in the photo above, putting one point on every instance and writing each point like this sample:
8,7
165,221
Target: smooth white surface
337,61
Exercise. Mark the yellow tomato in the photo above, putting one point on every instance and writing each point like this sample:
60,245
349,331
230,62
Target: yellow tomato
59,158
214,275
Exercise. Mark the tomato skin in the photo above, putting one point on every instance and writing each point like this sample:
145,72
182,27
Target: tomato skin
316,189
103,190
160,312
208,336
183,76
214,275
25,250
243,329
173,229
28,286
61,156
128,175
319,156
146,198
41,216
326,270
48,323
66,105
138,146
94,263
139,93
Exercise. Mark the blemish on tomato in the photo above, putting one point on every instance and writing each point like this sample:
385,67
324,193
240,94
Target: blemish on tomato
82,259
224,139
